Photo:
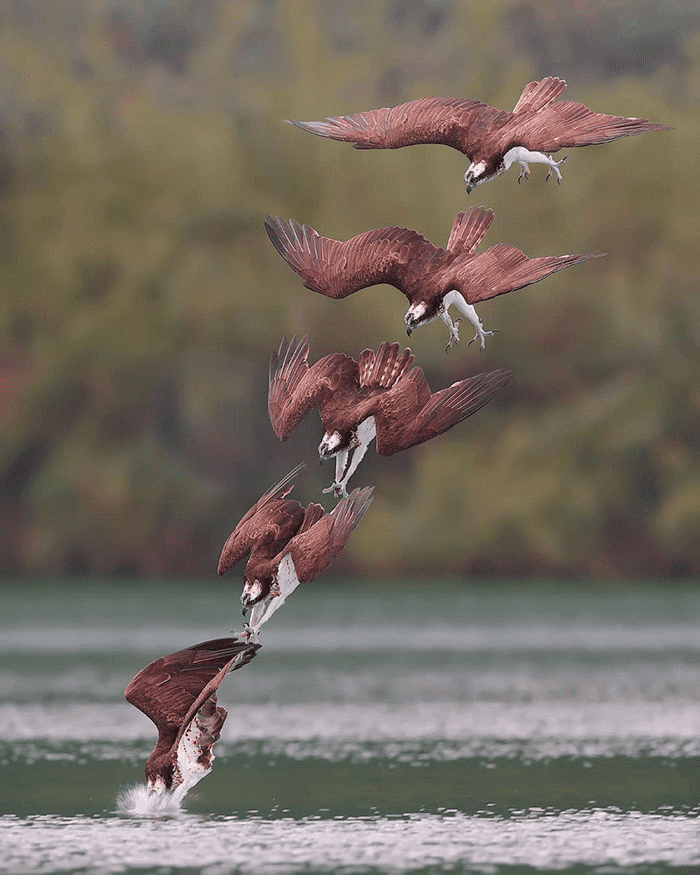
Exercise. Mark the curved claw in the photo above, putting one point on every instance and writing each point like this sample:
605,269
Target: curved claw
338,490
454,334
480,335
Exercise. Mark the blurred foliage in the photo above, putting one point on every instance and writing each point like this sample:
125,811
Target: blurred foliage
141,145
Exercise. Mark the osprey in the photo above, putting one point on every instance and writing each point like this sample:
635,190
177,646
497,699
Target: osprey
432,279
380,397
491,139
178,693
288,544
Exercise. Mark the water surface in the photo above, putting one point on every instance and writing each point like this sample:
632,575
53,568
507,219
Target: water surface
424,727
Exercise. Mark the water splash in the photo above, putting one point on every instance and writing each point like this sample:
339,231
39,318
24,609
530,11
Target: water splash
140,801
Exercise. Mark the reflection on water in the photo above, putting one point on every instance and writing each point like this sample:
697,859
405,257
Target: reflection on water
508,728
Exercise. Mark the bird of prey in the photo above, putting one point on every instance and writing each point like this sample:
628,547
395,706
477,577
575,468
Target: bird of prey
492,139
288,544
380,397
178,693
431,278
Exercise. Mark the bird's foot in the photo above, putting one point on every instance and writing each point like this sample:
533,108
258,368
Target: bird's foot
481,336
454,334
524,172
554,167
338,490
247,633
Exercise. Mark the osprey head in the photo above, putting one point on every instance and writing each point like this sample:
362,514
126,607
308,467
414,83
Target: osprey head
254,591
335,442
418,314
475,175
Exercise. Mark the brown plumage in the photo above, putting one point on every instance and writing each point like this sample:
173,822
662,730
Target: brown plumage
539,124
178,693
288,544
378,396
431,278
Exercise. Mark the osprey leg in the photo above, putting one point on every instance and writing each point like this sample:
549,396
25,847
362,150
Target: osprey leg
457,298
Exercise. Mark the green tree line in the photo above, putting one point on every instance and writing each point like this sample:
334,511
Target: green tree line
141,298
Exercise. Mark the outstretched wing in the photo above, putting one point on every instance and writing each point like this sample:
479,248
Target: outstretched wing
294,387
565,123
312,550
410,414
451,121
503,268
171,689
337,269
251,526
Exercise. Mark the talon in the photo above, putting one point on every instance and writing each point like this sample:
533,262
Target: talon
454,333
481,335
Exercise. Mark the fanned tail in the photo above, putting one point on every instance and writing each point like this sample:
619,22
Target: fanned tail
536,95
468,229
383,368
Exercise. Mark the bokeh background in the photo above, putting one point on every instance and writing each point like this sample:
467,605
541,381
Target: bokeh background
142,143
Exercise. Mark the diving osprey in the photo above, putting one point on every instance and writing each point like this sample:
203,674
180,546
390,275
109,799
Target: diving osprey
432,279
178,693
491,139
380,396
288,545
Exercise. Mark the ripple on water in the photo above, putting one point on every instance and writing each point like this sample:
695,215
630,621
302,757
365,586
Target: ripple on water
538,838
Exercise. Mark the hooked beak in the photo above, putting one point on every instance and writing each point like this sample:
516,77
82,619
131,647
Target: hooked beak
469,187
409,330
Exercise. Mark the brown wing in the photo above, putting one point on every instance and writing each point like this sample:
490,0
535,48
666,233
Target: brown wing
451,121
503,268
170,690
253,525
312,550
294,387
204,706
337,269
382,369
565,124
410,413
468,229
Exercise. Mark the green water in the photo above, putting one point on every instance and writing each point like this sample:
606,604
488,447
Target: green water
423,727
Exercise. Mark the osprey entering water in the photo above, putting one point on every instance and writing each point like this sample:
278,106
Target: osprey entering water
431,278
380,396
288,544
492,139
178,693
